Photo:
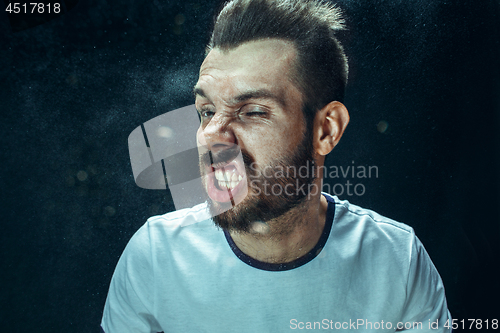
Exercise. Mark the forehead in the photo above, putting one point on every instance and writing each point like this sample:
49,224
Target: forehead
258,64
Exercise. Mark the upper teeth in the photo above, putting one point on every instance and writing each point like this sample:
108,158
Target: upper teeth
227,179
227,176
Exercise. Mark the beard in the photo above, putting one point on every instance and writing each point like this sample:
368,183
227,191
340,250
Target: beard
276,190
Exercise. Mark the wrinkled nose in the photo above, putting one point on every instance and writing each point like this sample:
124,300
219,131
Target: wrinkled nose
217,134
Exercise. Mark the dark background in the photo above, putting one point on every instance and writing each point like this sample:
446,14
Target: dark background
73,88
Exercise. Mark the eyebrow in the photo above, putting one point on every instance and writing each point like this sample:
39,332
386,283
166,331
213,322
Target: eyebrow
200,92
250,94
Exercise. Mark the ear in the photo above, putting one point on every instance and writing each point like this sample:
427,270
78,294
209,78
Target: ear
329,125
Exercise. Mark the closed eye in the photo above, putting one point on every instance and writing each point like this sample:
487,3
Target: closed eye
255,114
253,111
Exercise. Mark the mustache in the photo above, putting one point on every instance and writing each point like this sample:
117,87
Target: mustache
225,156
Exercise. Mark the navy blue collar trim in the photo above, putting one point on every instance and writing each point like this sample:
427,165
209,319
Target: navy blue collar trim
330,213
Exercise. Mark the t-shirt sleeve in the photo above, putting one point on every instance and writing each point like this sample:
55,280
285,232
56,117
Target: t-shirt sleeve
130,299
425,300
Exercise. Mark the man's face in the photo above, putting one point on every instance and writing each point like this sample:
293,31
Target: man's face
246,100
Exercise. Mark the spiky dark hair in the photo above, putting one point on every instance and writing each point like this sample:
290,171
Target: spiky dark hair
321,68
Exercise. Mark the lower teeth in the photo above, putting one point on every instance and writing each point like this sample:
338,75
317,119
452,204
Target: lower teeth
226,185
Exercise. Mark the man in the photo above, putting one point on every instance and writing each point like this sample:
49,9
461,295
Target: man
271,89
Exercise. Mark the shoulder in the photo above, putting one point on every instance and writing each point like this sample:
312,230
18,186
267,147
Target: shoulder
194,217
392,252
356,229
348,214
179,227
181,218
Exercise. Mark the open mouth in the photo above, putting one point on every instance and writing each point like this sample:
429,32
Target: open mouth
226,181
227,177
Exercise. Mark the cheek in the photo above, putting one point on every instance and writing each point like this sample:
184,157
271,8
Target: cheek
266,148
287,137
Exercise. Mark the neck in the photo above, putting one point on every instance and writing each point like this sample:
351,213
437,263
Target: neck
288,237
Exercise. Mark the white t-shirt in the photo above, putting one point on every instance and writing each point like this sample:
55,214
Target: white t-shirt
367,273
